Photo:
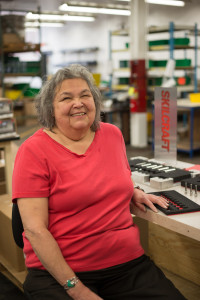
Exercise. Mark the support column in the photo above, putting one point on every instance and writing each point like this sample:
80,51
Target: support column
138,48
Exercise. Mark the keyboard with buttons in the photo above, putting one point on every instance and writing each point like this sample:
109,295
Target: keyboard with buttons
154,169
178,203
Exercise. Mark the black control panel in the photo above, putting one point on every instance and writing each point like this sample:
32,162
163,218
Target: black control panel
154,169
193,183
178,203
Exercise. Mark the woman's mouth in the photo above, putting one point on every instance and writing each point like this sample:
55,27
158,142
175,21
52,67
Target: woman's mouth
78,114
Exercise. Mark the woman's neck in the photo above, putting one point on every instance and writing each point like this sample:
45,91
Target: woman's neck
79,143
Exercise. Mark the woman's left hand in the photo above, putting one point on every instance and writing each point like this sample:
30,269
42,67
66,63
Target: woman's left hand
140,199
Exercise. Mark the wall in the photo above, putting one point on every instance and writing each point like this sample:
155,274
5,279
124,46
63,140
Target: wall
163,14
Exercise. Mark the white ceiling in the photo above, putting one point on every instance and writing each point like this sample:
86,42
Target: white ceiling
52,5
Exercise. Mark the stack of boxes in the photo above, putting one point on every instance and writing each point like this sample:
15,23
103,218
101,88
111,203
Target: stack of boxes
13,29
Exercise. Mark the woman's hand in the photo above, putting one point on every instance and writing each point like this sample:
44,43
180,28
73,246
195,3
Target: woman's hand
81,292
140,199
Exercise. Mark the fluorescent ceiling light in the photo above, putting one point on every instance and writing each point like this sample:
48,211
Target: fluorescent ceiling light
12,12
44,17
163,2
58,18
166,2
80,18
95,10
42,24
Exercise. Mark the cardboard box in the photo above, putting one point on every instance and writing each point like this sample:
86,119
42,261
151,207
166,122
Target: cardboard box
13,28
12,38
30,112
11,256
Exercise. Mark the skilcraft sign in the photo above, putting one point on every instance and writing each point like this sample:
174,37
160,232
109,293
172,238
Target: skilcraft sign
165,123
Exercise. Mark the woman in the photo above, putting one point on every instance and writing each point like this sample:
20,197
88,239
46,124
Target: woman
72,183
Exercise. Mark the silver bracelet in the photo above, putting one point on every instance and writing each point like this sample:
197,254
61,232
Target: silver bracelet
138,188
70,283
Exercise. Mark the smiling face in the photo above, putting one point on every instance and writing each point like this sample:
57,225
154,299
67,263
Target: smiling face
74,107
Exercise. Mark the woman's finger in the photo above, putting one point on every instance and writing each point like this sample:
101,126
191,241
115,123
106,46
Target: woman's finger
141,206
159,200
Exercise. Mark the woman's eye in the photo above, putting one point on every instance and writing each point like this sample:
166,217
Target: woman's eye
84,96
66,98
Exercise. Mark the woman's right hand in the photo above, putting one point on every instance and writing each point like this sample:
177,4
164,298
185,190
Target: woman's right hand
81,292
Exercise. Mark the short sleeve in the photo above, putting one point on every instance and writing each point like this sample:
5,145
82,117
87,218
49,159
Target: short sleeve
30,175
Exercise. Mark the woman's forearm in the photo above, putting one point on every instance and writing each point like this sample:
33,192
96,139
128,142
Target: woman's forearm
49,253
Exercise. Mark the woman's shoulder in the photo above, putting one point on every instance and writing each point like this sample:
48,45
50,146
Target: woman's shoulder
34,140
110,128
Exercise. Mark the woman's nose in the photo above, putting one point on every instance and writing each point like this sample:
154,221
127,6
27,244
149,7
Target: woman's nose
78,102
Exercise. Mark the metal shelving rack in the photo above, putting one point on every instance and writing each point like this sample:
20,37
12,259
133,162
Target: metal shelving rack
171,48
125,70
83,56
20,48
188,110
190,30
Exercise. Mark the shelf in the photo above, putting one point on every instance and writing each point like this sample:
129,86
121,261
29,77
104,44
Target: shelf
84,63
80,50
190,142
154,73
121,32
6,116
121,50
17,48
173,44
188,70
167,48
185,145
22,74
185,68
186,103
119,43
160,29
120,87
185,88
177,68
12,66
84,56
122,70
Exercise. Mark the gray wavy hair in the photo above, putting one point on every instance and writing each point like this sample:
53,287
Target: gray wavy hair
44,100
